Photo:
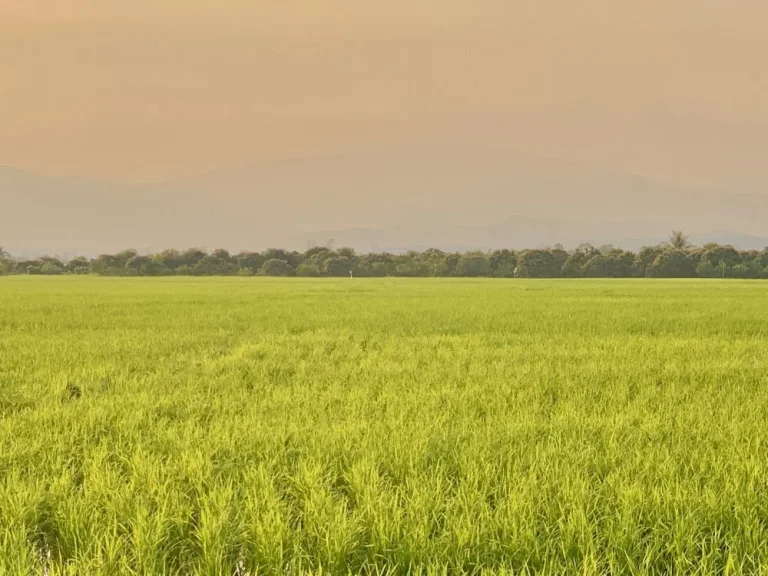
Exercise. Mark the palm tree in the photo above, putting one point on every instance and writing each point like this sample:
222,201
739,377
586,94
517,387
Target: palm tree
678,240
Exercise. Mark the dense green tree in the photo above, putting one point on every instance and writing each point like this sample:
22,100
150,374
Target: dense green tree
211,265
6,262
307,269
318,259
722,258
223,254
122,258
78,265
51,268
376,265
751,269
106,265
410,265
191,257
539,264
705,269
249,261
450,264
574,264
672,263
473,265
292,258
644,259
433,260
314,250
170,259
740,271
503,263
595,267
21,266
711,260
146,266
337,266
276,267
155,268
764,257
135,266
559,256
347,253
619,263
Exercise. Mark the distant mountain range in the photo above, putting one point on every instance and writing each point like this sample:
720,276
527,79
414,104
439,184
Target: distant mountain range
457,196
519,232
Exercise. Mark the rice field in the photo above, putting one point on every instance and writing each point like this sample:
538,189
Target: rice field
263,426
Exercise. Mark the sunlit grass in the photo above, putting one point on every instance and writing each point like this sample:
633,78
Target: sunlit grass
223,426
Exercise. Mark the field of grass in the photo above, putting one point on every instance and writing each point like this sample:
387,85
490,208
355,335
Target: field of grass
244,426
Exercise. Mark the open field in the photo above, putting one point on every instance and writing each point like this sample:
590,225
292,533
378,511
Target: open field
221,426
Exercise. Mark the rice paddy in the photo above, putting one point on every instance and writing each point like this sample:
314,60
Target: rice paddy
382,426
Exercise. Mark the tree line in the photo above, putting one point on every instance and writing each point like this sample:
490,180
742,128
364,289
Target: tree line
676,258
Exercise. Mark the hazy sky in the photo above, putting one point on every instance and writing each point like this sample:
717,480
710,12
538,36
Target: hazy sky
163,89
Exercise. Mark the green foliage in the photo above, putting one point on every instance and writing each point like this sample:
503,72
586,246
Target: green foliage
191,257
473,264
249,260
595,267
705,269
503,263
78,265
718,255
107,265
574,264
375,265
540,264
51,269
644,260
434,262
6,262
170,259
751,269
409,265
763,257
337,266
211,265
292,258
663,261
275,267
308,270
262,426
672,263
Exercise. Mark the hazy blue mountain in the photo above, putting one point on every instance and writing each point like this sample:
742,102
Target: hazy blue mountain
463,196
520,232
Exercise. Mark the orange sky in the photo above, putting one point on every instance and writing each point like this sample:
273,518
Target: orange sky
161,89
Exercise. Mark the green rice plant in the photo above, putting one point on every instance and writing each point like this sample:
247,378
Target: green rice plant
382,426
